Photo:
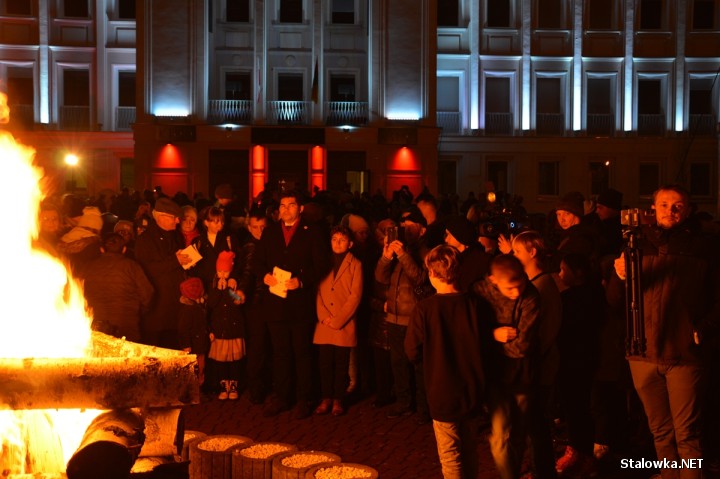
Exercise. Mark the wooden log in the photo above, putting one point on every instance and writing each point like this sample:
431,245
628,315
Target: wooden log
109,447
138,376
295,464
188,438
166,467
346,470
164,432
255,461
211,456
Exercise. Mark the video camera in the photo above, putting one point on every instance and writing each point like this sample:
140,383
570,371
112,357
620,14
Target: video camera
634,218
504,223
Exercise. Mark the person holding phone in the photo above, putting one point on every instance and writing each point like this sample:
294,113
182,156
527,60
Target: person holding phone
401,269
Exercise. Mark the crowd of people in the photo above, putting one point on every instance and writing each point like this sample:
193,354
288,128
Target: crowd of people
449,312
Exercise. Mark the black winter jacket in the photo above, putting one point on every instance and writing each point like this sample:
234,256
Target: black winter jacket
680,280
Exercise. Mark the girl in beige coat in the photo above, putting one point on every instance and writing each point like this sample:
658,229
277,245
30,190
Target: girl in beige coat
338,298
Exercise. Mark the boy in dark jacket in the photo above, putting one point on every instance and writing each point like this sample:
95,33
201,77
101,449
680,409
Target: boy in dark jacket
516,303
444,334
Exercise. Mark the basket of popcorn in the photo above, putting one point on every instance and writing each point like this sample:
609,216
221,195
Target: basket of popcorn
211,456
189,437
255,461
294,464
341,470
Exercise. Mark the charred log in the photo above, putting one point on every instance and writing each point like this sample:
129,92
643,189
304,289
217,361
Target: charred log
109,447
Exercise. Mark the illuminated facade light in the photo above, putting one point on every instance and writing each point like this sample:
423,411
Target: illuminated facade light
171,112
403,116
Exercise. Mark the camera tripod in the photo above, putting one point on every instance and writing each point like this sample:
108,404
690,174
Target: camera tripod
635,341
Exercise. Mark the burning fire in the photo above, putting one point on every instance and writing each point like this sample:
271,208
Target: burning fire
53,322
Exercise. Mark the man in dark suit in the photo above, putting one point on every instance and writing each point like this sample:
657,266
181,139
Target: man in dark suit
293,246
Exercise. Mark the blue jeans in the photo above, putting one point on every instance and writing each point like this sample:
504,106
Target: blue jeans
671,396
457,448
508,424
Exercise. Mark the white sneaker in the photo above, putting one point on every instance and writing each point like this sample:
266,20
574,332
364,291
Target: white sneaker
223,390
233,392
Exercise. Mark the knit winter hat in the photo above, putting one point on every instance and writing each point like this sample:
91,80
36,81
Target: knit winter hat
224,191
414,215
357,223
610,198
225,261
91,218
167,206
462,230
192,288
572,203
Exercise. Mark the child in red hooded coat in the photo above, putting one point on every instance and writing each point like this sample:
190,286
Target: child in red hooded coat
227,327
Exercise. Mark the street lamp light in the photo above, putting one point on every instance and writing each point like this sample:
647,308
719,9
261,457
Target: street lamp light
72,160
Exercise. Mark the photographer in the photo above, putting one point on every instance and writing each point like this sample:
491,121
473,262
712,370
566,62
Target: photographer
679,279
401,269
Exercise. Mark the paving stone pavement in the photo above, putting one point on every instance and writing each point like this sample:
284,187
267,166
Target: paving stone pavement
396,448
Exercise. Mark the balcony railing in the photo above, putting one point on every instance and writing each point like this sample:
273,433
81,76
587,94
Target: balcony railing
22,116
449,122
289,112
75,117
498,123
651,124
600,124
230,111
703,124
124,118
550,124
353,113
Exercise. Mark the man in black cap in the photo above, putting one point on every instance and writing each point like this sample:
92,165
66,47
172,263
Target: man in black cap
575,236
402,270
474,261
158,252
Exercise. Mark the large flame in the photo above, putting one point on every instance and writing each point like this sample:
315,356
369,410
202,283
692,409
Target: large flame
52,321
45,315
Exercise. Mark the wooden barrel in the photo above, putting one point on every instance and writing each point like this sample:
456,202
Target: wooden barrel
189,437
294,464
211,456
255,461
345,470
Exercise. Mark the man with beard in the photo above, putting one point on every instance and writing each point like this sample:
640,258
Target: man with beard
681,297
